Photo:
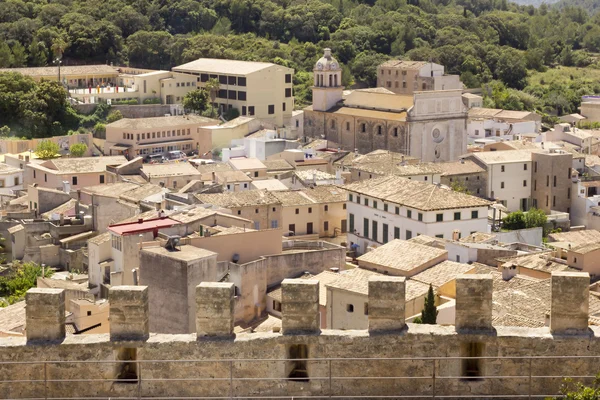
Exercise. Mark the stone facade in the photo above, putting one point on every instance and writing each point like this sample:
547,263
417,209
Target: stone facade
386,303
218,366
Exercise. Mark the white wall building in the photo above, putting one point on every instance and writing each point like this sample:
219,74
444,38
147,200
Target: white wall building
498,129
11,179
392,207
508,177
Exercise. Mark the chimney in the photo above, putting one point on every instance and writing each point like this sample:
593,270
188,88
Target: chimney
508,272
462,160
140,220
455,235
355,151
62,219
314,180
66,187
338,174
77,208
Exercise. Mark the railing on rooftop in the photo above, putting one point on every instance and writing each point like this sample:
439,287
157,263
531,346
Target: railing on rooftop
332,384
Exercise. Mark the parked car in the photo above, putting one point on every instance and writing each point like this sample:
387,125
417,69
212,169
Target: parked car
192,153
155,158
175,155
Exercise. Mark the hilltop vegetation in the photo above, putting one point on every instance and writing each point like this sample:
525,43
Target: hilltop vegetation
482,40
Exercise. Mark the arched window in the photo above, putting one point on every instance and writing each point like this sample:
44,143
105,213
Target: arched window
332,124
335,80
321,80
330,80
363,127
379,129
424,86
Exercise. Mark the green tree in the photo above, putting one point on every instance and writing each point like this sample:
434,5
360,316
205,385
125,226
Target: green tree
19,55
430,312
114,116
78,149
196,101
21,278
47,150
572,390
4,131
99,130
535,218
514,220
212,86
458,186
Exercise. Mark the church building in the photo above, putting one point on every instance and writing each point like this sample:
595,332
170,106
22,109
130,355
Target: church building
429,125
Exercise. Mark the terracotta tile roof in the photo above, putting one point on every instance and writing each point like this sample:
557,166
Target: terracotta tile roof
442,273
160,122
102,238
402,64
232,177
293,198
459,168
110,189
327,194
308,174
586,248
357,281
12,318
66,70
386,168
80,165
401,255
239,199
278,165
419,195
170,169
477,237
508,156
537,261
576,238
429,241
516,320
247,163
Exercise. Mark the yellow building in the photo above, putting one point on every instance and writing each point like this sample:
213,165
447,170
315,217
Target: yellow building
256,89
134,137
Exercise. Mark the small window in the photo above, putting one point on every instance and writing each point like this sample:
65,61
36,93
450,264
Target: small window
502,169
408,213
524,167
474,214
441,236
288,78
256,211
239,212
366,308
363,127
366,202
350,307
310,210
297,211
350,197
271,109
554,183
397,210
288,92
501,185
326,207
274,209
525,183
456,216
101,178
439,217
74,180
89,313
420,216
385,207
250,110
357,199
374,204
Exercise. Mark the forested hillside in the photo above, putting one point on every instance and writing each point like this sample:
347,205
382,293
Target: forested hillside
490,43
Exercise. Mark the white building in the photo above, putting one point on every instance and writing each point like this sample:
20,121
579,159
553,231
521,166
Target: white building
260,145
498,129
11,179
508,177
392,207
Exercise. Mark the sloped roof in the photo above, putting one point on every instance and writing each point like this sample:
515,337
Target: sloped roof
81,165
442,273
402,255
239,199
419,195
327,194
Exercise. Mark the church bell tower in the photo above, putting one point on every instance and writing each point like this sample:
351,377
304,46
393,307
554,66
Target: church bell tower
327,89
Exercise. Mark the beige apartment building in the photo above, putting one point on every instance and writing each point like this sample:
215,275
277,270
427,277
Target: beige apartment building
300,215
76,172
259,206
73,76
331,201
257,89
552,180
133,137
407,77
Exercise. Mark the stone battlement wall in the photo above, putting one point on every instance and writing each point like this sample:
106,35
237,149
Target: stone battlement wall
301,350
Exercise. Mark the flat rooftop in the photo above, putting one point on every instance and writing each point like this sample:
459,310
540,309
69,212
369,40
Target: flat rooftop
219,66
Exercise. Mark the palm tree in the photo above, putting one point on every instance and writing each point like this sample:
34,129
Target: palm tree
213,88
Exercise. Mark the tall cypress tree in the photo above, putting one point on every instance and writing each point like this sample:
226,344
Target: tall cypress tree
429,313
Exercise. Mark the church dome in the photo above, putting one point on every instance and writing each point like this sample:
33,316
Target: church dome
327,62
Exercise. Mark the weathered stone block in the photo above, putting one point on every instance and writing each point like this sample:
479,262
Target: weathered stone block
386,303
569,307
128,312
215,308
300,306
45,314
473,302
